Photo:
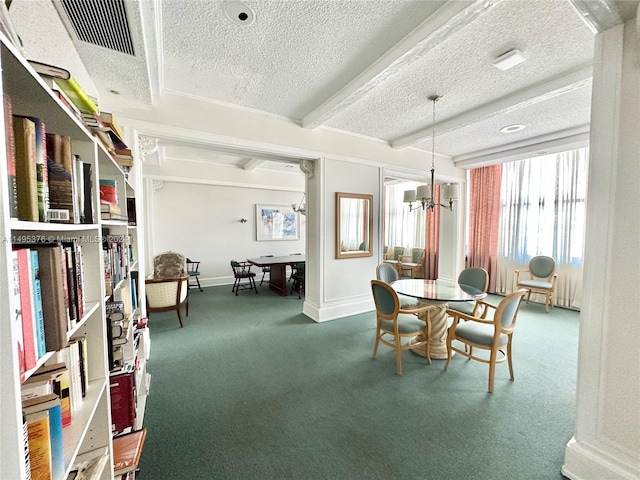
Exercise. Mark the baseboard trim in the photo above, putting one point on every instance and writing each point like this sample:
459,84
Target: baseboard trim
583,462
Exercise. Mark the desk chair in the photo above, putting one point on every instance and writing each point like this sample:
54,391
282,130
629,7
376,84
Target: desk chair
193,272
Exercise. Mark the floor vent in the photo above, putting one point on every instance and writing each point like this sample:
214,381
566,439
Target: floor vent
100,22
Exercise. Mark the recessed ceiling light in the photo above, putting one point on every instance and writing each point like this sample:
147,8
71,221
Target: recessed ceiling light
512,128
509,59
239,13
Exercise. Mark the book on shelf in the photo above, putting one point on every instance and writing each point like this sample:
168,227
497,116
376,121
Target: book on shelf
109,120
87,206
11,158
75,284
39,437
53,284
25,442
17,321
41,382
26,311
89,465
106,207
62,387
50,403
24,133
81,344
77,95
113,216
71,358
36,303
63,196
131,211
123,402
49,70
42,173
108,191
127,450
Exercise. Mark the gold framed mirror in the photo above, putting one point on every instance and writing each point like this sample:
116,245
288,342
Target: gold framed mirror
354,225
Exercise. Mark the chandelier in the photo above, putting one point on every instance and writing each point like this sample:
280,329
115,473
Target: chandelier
301,207
424,193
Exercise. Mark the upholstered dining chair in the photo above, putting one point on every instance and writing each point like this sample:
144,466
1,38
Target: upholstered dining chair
165,294
396,327
242,273
413,263
475,277
494,335
387,273
540,278
393,257
169,265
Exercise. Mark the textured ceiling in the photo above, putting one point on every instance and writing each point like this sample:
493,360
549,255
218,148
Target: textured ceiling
366,67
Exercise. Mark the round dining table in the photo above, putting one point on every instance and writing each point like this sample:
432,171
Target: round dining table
438,293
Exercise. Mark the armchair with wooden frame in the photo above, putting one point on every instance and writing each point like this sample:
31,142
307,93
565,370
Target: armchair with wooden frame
393,257
165,294
413,263
395,325
494,335
540,278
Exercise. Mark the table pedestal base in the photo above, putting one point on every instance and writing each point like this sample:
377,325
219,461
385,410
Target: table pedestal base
438,340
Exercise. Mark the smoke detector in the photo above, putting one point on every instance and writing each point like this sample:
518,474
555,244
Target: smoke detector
239,13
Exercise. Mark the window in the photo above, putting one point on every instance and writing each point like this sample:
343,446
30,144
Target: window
543,207
402,227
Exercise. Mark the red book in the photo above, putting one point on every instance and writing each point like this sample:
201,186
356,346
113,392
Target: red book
123,408
18,315
28,333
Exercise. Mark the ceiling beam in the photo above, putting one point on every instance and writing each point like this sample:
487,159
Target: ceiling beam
598,15
436,29
509,103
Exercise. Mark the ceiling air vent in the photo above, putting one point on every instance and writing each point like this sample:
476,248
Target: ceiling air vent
100,22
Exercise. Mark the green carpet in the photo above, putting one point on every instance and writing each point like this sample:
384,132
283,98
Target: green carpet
251,388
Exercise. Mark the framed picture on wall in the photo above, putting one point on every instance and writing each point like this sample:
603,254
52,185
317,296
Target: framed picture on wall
277,222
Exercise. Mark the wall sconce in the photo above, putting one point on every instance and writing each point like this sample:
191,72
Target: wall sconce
243,220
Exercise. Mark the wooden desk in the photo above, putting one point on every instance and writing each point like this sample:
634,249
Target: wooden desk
278,267
438,293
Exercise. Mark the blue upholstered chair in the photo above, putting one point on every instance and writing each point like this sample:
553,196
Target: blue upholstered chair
387,273
475,277
492,334
540,278
395,325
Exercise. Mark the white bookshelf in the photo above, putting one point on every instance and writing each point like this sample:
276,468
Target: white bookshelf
91,421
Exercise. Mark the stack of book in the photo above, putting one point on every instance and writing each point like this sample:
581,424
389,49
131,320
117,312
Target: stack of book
109,211
85,107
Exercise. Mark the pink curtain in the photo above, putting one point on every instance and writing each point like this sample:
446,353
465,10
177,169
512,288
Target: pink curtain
484,218
431,239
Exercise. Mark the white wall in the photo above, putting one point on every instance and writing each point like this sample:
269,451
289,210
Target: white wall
198,213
